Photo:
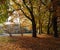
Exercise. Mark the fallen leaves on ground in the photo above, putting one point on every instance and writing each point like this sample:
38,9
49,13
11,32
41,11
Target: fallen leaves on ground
42,42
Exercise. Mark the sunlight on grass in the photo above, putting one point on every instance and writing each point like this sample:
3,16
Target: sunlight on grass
6,39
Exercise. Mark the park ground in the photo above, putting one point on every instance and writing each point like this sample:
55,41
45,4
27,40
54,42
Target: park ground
27,42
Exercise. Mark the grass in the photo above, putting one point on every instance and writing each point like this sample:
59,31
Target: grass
42,42
7,39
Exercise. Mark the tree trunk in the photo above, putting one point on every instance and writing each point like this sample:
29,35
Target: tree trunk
39,27
55,16
55,26
10,34
48,26
48,30
34,29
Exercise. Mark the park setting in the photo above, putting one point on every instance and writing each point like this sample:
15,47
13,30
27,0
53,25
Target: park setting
29,24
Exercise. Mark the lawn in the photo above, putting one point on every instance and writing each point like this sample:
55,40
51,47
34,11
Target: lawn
42,42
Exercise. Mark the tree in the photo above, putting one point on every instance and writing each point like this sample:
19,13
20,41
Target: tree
39,18
52,7
47,4
56,4
3,10
29,6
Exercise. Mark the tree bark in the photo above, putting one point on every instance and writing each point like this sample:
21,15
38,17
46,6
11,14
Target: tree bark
55,26
39,27
48,26
55,16
10,34
34,29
